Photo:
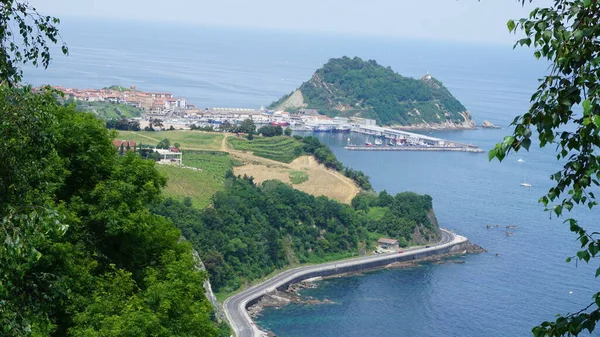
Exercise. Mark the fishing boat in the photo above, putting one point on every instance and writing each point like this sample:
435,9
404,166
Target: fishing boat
323,129
378,141
341,129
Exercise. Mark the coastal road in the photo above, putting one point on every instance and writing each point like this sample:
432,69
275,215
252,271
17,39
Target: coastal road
235,306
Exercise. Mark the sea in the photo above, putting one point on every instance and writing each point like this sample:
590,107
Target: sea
521,281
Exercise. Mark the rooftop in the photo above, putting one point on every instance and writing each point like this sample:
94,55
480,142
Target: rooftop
387,241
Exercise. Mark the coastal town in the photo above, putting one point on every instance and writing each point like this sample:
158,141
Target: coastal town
179,113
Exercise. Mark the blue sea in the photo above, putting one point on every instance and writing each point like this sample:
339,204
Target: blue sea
522,280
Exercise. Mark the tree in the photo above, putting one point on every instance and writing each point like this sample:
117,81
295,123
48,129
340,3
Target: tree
80,252
270,131
226,126
32,43
156,123
163,144
287,131
247,126
568,35
177,146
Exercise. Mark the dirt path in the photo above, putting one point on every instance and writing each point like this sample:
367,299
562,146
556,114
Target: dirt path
224,142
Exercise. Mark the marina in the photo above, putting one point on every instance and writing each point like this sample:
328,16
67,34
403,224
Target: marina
473,149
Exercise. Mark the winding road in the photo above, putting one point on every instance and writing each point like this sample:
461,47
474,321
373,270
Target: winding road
235,306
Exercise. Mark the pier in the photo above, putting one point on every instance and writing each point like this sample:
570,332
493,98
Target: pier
467,148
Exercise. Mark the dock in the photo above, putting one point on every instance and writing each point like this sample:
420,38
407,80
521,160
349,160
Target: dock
472,149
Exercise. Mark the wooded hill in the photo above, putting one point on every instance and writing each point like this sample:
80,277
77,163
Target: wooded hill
354,87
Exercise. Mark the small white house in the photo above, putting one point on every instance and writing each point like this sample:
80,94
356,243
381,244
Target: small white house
170,157
385,243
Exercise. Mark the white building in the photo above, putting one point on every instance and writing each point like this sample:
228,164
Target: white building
170,157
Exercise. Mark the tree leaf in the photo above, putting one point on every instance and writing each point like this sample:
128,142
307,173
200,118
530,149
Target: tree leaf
511,25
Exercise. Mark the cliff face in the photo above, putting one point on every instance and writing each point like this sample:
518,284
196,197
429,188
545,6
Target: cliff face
356,88
427,234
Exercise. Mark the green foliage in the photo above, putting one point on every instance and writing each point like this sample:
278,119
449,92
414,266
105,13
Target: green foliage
270,131
118,88
190,140
197,185
398,216
80,252
283,149
287,131
163,144
321,152
568,35
286,149
298,177
30,44
252,231
123,124
247,126
108,110
370,90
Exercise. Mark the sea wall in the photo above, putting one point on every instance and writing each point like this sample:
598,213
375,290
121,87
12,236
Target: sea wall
459,247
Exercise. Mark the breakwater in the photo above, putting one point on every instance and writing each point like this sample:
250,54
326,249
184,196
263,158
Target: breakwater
415,148
236,306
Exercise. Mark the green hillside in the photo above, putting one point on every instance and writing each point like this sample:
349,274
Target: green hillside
107,110
352,87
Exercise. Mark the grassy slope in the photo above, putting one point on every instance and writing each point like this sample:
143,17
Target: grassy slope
199,185
282,148
106,110
298,177
193,140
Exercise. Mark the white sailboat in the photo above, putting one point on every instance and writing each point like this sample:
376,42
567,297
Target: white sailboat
525,183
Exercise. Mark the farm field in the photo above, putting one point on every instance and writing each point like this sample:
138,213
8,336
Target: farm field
214,154
199,185
283,149
189,140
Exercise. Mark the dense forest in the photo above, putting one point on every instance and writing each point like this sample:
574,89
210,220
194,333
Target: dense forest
82,255
251,230
354,87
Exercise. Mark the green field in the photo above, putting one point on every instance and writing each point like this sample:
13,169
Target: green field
194,140
107,110
198,185
283,149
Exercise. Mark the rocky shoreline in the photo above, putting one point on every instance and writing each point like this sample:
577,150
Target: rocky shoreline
292,294
289,296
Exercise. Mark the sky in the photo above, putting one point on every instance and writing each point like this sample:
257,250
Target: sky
449,20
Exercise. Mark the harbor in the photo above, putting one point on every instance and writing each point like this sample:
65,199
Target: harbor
161,108
414,148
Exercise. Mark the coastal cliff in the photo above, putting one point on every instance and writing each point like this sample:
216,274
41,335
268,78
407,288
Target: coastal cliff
352,87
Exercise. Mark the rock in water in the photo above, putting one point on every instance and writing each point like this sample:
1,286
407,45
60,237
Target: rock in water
489,125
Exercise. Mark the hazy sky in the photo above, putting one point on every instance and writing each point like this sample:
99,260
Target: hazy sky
465,20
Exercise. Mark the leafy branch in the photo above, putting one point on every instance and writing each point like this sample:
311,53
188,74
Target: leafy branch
31,44
565,112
